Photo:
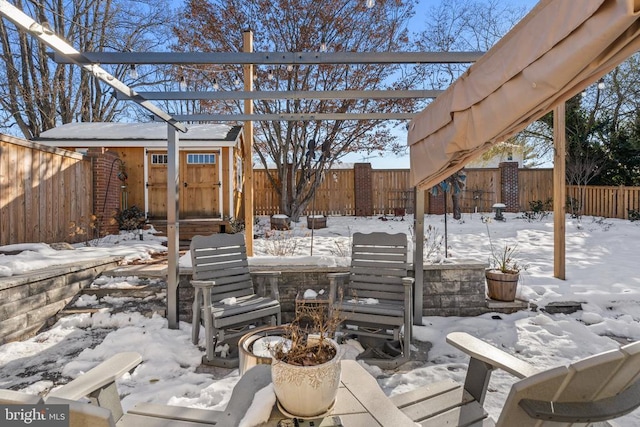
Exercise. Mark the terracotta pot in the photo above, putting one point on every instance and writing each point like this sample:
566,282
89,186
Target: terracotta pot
502,286
306,391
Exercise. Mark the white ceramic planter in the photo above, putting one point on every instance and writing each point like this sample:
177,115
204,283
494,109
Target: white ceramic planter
306,391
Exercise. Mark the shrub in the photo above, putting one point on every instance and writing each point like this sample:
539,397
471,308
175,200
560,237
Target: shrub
574,207
538,210
634,215
132,218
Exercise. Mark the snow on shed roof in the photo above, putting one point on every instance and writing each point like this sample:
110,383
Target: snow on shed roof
136,134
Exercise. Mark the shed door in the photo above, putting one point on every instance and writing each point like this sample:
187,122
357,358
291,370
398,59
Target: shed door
199,183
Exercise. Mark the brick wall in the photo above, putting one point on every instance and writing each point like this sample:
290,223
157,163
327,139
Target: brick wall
436,203
106,188
362,176
510,194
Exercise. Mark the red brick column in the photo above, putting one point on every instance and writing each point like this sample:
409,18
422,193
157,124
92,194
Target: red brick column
106,189
509,191
363,188
436,203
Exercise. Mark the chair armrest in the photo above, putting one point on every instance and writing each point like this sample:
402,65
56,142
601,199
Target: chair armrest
491,355
335,279
99,377
272,277
203,284
407,282
99,384
242,395
81,413
484,359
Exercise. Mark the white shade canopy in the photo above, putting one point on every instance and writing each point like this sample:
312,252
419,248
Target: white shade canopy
557,50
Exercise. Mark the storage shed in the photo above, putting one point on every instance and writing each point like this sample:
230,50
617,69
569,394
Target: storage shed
210,164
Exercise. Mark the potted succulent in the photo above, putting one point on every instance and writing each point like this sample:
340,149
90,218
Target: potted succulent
306,372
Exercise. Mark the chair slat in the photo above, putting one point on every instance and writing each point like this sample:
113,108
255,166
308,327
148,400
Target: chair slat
628,372
588,376
219,264
392,266
467,415
391,280
212,272
383,239
391,297
395,254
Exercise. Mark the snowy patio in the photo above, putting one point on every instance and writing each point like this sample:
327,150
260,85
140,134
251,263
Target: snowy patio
601,270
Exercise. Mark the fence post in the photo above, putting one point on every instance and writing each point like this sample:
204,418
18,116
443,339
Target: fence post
363,189
509,191
621,205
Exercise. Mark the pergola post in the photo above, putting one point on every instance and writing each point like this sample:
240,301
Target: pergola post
418,255
247,161
559,191
173,226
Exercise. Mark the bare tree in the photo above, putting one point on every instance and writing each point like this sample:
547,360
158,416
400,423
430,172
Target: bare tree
297,153
36,94
462,25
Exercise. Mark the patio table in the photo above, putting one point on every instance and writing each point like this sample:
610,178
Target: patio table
360,403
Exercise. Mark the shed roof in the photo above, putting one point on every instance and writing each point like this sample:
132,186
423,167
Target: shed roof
152,134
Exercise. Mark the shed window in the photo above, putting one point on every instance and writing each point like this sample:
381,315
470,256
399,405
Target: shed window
159,159
201,159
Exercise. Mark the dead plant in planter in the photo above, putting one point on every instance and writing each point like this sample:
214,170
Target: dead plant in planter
306,376
309,335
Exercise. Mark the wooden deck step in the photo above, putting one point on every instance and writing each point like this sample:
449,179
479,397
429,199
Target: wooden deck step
193,227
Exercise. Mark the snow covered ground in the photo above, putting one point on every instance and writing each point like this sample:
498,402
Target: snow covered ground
602,272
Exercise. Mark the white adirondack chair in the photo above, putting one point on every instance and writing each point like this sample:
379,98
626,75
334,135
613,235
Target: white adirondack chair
379,271
104,409
221,273
587,392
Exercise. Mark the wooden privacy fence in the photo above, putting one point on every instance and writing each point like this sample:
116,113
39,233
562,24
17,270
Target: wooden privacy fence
43,190
335,196
392,194
609,202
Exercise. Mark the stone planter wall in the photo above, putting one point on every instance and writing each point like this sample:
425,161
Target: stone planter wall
454,289
449,289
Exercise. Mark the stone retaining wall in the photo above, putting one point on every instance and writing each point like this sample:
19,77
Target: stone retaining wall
449,289
27,301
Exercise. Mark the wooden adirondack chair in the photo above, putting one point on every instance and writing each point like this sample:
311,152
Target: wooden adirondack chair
585,393
105,409
378,274
221,273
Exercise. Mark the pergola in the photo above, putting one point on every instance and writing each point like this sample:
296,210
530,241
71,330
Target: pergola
579,46
582,41
90,62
